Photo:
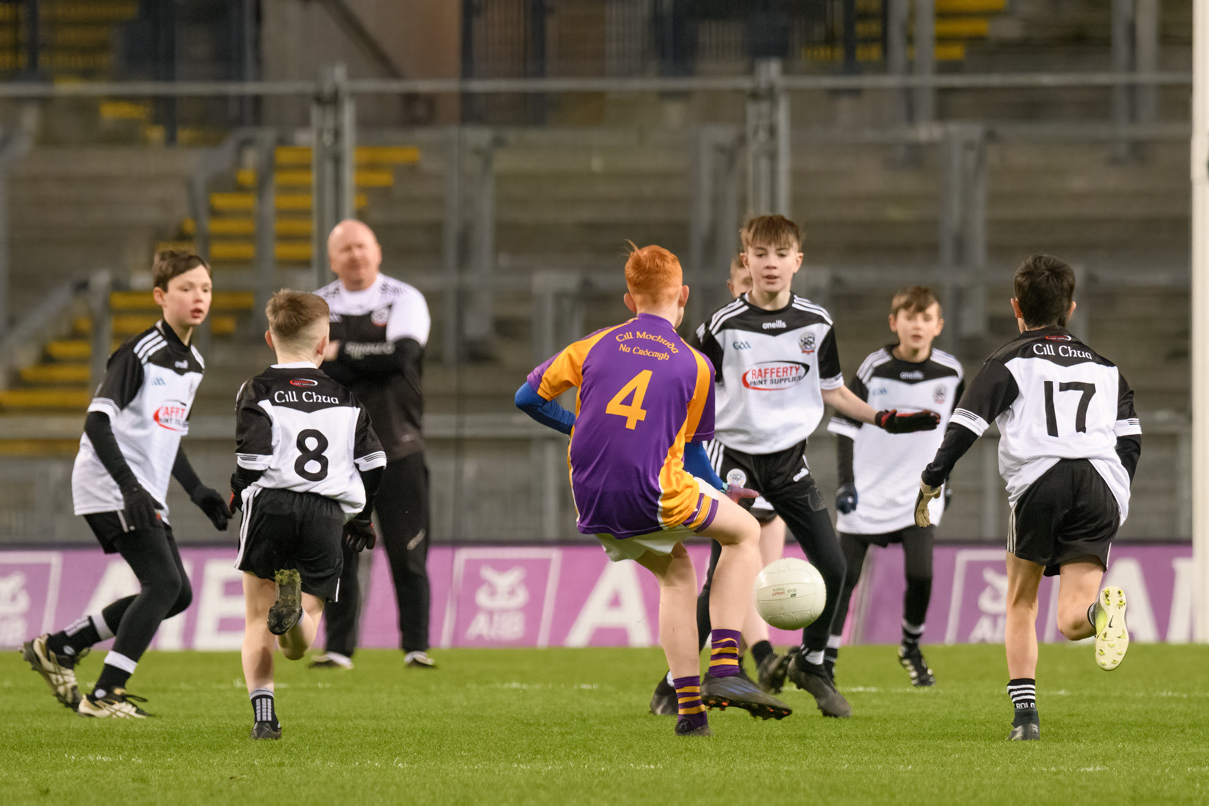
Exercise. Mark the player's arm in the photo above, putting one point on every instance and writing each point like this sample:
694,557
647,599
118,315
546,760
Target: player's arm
961,390
990,394
370,460
207,499
406,334
547,412
123,379
560,372
253,442
1128,429
845,430
842,399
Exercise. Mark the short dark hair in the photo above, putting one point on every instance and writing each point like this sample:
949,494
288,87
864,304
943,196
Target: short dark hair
173,263
1044,287
915,299
292,313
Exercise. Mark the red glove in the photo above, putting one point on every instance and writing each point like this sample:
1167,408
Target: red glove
895,423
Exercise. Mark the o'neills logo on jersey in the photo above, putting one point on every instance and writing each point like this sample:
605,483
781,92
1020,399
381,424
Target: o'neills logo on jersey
773,375
775,325
303,382
173,415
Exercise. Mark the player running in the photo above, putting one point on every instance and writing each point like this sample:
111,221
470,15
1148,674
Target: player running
642,483
772,546
876,496
308,466
777,367
131,445
1068,448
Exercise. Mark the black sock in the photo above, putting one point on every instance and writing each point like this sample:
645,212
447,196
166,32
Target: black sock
830,655
760,651
263,706
911,635
1023,691
69,643
111,678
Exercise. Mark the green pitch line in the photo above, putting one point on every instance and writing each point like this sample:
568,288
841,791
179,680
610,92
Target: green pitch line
571,726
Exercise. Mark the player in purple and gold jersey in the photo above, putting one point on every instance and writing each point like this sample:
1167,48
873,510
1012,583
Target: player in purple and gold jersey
642,482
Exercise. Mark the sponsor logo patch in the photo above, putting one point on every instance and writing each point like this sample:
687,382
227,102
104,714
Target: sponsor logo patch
807,343
939,394
773,375
303,382
173,416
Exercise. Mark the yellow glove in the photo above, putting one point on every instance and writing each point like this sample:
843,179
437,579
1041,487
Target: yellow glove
926,494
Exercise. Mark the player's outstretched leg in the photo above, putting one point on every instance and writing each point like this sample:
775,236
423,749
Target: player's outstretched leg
1112,637
287,610
58,672
301,637
730,600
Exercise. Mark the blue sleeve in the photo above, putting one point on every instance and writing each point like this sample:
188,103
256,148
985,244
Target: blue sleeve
546,412
697,463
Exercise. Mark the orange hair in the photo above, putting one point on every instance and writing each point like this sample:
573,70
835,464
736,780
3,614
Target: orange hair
653,274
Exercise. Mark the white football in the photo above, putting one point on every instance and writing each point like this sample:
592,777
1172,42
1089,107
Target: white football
790,593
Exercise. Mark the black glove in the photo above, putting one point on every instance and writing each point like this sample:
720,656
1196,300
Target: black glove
210,501
140,508
894,423
845,499
360,535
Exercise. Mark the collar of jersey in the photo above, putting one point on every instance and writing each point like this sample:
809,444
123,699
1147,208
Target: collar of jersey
651,318
295,365
174,341
365,294
890,351
1052,330
746,298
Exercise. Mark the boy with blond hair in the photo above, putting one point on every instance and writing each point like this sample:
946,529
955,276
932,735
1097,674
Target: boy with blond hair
777,367
308,467
130,448
642,482
876,495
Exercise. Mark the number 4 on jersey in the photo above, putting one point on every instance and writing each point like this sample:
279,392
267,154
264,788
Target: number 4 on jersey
632,411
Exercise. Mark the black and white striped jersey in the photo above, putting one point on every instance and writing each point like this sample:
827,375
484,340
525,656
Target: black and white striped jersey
885,466
147,393
382,332
1053,398
307,433
770,369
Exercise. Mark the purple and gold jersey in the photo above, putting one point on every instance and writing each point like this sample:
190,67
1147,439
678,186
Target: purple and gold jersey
643,393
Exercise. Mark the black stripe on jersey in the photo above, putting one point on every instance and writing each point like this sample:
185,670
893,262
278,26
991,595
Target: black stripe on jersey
742,315
906,371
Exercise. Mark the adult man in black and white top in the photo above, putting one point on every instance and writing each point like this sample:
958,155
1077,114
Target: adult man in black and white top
876,496
1068,447
379,327
776,365
130,448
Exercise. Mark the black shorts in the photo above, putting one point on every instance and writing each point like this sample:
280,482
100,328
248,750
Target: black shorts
775,476
284,529
1066,515
109,525
904,535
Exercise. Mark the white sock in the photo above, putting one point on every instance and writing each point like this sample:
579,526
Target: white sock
815,657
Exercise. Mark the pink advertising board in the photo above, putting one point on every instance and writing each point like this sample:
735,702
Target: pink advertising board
570,595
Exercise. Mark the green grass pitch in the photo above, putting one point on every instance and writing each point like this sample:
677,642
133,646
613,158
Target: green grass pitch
571,726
